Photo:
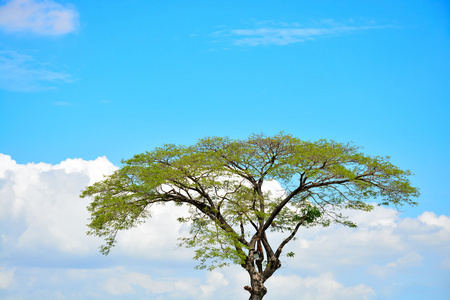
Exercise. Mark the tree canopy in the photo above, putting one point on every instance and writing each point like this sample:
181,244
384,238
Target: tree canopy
222,180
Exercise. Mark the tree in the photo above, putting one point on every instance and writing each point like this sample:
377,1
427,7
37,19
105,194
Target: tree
231,214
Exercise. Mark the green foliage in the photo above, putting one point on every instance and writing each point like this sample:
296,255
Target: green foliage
221,182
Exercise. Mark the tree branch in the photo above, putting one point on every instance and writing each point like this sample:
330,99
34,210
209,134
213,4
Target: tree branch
290,237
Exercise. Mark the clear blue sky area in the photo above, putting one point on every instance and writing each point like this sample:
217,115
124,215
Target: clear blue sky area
86,79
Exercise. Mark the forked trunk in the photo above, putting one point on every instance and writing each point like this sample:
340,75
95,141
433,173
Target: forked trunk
258,276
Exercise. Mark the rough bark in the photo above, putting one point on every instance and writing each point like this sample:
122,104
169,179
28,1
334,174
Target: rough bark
257,289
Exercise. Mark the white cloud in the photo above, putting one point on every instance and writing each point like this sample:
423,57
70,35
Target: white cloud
42,201
43,221
158,237
122,283
338,246
431,219
214,280
125,282
411,259
22,73
38,17
6,278
116,286
323,287
284,34
427,230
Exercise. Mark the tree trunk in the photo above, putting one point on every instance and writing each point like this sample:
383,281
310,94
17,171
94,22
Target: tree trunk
257,290
257,296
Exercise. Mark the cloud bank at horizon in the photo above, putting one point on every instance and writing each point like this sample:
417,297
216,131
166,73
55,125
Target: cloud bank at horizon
45,252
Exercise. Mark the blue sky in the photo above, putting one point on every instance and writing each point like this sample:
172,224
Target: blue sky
86,79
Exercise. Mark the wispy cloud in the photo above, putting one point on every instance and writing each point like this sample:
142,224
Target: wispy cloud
276,33
22,73
38,17
62,103
411,259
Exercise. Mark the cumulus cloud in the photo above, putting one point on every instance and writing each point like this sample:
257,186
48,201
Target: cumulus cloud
22,73
158,237
44,249
280,33
382,238
42,200
38,17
